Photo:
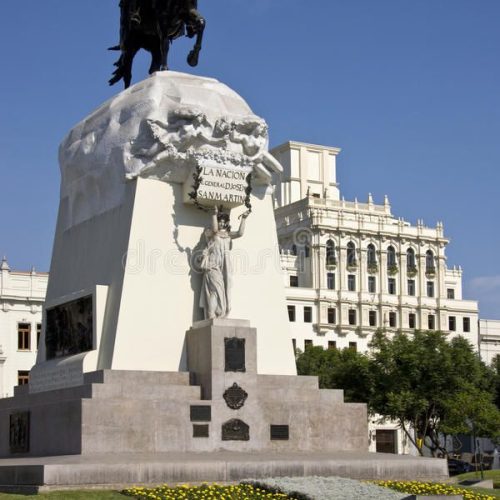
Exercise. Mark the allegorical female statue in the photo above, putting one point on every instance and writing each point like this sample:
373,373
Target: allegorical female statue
216,265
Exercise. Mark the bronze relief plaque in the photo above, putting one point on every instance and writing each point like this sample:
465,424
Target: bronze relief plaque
235,397
70,328
234,354
19,436
280,432
201,413
235,430
200,431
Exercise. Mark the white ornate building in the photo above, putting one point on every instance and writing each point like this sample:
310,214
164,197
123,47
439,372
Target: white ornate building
489,339
21,298
351,268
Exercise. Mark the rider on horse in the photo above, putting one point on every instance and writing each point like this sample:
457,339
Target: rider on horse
152,25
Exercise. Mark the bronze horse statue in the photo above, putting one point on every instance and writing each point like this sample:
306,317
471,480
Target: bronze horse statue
152,25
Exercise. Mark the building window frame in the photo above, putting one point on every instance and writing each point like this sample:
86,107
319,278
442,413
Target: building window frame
294,281
330,281
430,289
372,318
23,336
351,282
372,284
352,317
292,316
307,314
431,322
392,319
411,288
452,323
466,324
351,255
23,377
391,286
331,315
331,259
412,321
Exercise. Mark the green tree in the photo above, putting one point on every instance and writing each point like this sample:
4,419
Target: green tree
420,380
495,366
338,369
471,411
429,385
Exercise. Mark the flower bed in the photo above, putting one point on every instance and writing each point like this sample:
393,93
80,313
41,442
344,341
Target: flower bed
418,488
203,492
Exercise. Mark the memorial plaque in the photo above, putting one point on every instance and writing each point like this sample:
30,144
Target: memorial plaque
215,184
69,328
280,432
235,397
19,437
235,430
200,431
234,354
201,413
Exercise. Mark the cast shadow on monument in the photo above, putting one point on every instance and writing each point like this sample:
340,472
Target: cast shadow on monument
193,257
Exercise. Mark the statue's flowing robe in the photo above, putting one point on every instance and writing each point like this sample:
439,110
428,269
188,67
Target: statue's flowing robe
216,267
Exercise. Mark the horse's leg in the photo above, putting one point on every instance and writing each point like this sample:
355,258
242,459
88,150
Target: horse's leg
192,58
155,60
164,48
127,65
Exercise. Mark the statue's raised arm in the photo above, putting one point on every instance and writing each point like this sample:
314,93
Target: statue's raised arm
152,25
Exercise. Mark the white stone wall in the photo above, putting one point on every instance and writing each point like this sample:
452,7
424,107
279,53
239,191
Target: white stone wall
307,168
489,339
21,299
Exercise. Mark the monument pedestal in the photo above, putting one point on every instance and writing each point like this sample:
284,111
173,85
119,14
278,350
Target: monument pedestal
250,411
221,421
222,403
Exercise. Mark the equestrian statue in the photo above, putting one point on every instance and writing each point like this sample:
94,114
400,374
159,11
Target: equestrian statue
152,25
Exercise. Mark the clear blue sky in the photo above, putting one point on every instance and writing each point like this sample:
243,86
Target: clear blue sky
409,89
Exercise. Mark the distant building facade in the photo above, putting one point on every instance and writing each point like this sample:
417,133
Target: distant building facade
21,299
351,268
489,339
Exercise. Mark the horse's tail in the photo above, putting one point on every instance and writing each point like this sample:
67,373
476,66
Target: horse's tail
115,47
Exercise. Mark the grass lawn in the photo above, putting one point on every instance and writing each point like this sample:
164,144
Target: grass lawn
488,474
70,495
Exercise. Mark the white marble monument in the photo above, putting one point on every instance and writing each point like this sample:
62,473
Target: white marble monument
166,331
131,234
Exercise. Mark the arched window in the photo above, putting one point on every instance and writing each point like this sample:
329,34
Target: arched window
351,254
410,259
307,248
391,257
371,255
330,253
429,262
294,249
